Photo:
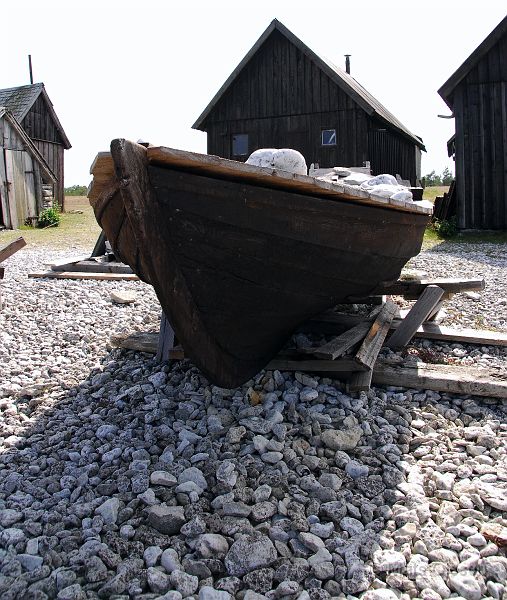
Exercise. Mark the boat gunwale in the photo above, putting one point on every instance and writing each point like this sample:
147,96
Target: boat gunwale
213,166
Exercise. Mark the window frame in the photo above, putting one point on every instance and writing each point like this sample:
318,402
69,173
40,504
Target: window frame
322,132
244,137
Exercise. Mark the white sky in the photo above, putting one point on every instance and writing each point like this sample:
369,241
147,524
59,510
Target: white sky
148,69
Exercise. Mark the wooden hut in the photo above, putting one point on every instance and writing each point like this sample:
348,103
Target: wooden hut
283,95
23,172
31,107
477,95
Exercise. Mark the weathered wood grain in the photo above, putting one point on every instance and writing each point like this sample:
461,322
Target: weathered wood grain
11,248
84,275
369,349
422,309
443,378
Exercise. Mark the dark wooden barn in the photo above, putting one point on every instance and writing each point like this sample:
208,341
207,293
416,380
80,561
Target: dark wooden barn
283,95
477,95
31,107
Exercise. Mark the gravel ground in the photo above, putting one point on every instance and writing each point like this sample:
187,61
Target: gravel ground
121,478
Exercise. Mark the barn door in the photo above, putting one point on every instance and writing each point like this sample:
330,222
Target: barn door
22,197
10,178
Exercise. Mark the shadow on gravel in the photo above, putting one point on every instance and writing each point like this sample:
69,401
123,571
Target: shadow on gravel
145,479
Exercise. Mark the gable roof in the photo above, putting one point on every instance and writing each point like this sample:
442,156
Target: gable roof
19,100
29,145
345,81
447,90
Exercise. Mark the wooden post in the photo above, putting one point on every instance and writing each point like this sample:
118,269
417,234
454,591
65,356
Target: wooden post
422,309
166,339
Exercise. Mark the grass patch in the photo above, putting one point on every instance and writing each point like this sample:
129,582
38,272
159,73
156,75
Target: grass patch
431,192
77,228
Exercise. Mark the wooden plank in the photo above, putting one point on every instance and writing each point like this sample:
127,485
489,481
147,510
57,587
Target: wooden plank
55,264
368,352
81,275
341,344
93,266
360,382
341,365
412,289
166,339
443,378
11,248
422,309
336,322
144,342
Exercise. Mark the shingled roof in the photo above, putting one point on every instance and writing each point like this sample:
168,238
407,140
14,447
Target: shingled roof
345,81
19,100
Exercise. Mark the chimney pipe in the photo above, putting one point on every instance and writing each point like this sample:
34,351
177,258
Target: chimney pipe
30,67
347,63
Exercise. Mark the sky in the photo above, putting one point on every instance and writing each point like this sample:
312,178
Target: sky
147,69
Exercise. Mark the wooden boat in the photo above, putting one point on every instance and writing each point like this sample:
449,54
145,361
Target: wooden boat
239,255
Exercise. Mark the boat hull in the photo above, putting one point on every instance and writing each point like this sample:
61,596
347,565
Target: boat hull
238,266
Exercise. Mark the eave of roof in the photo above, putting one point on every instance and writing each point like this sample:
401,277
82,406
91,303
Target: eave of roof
446,90
345,81
19,100
30,146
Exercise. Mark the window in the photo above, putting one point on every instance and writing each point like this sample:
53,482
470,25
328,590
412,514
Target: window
328,137
240,144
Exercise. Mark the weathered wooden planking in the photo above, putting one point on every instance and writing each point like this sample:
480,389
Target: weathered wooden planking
340,345
412,289
372,343
93,266
11,248
360,381
84,275
335,322
144,342
419,313
221,167
343,365
443,378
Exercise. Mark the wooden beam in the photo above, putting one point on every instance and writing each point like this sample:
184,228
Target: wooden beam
93,266
443,378
166,339
81,275
412,289
338,346
360,382
341,365
144,342
11,248
330,323
422,309
368,352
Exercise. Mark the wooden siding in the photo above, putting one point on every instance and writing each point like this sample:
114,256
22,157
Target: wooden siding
390,153
480,108
19,188
281,98
41,128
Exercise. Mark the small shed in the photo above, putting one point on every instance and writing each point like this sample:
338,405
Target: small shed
283,95
33,110
23,172
477,95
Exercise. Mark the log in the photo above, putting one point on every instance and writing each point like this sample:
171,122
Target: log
144,342
11,248
442,378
